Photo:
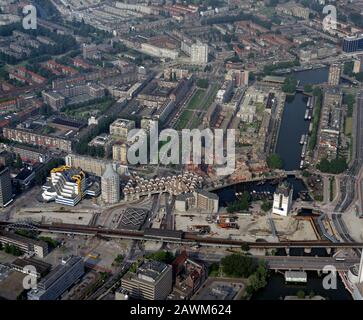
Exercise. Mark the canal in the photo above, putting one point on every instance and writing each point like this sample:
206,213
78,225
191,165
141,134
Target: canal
293,126
263,190
277,289
293,123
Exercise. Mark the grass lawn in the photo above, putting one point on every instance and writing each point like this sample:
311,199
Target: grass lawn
211,97
195,123
184,119
196,100
86,111
348,126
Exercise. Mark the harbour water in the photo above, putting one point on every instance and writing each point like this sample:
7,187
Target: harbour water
265,190
293,126
277,289
293,123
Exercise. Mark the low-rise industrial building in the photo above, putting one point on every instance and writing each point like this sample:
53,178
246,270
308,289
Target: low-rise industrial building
52,286
26,245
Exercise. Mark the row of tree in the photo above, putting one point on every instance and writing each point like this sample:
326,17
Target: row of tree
318,94
242,204
243,266
334,166
11,249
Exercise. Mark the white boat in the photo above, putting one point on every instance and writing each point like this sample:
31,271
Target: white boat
306,114
302,139
303,151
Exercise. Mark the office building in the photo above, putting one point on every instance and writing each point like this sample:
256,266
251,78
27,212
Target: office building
335,71
6,191
282,199
110,185
152,281
52,286
26,245
199,53
353,43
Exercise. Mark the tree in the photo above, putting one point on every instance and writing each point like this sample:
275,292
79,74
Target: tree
238,265
301,294
308,88
242,204
203,83
162,256
348,68
18,162
274,161
258,279
266,206
245,246
334,166
289,85
213,269
118,260
349,100
52,243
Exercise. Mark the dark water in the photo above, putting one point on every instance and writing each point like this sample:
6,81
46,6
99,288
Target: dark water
312,76
293,124
320,252
228,194
277,288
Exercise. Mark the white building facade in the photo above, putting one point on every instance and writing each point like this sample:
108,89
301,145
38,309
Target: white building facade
282,200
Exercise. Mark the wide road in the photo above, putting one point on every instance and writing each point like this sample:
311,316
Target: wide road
348,181
306,263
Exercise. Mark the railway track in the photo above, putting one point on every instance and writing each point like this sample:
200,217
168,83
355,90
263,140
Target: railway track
174,236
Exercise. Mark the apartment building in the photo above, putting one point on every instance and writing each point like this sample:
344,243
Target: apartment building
36,139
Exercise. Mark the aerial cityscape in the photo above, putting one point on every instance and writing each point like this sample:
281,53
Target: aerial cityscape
181,150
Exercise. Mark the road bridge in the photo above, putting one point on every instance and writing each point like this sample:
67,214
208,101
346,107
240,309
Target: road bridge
308,263
286,263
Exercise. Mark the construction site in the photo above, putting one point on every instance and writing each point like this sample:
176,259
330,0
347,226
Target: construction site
249,227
